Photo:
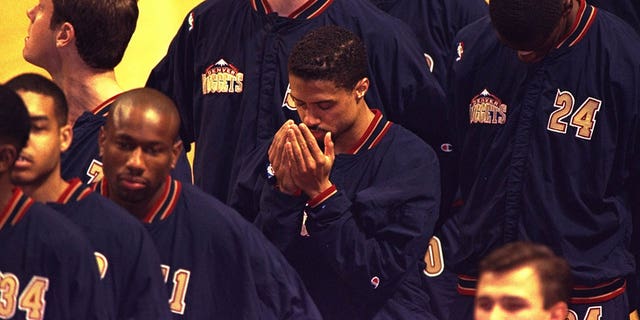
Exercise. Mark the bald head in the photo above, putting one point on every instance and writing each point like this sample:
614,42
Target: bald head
139,145
152,103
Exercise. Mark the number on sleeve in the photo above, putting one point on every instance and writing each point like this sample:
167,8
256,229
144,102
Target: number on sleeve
103,264
433,258
9,286
181,277
180,284
593,313
95,172
32,298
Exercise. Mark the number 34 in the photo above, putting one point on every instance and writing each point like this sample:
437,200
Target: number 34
32,299
584,119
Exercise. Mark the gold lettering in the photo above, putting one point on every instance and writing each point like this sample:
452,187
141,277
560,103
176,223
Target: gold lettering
240,79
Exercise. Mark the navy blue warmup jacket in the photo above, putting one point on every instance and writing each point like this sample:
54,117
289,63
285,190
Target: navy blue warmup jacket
435,24
227,71
217,265
363,256
628,10
129,265
550,151
47,268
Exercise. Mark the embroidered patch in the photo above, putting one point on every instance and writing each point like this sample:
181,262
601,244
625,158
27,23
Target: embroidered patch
222,77
488,109
375,282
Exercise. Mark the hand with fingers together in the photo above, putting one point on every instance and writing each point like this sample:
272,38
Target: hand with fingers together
310,166
280,161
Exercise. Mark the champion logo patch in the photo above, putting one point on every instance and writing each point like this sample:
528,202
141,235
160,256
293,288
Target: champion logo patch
222,77
446,147
487,108
375,282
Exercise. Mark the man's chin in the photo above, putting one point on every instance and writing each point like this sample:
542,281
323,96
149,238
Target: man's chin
132,197
22,179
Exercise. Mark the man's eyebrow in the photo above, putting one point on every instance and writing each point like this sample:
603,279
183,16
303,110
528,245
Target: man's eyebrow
311,102
38,118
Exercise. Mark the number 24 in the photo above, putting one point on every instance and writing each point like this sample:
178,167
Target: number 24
584,119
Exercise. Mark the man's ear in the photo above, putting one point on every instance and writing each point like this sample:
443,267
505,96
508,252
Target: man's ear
567,5
361,88
66,35
66,136
559,311
8,155
175,153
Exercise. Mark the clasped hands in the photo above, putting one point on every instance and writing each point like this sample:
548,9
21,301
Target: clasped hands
298,162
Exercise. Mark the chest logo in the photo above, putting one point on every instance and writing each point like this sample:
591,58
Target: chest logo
222,77
488,109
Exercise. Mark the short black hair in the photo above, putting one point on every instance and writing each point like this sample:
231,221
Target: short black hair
36,83
553,272
15,123
525,22
103,28
330,53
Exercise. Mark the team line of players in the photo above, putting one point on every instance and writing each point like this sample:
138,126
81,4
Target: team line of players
311,199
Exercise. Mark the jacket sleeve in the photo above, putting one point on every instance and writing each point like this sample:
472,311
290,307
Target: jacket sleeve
282,293
146,296
373,240
174,76
82,284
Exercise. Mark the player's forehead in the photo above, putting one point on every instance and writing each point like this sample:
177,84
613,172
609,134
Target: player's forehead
520,282
145,125
38,104
314,90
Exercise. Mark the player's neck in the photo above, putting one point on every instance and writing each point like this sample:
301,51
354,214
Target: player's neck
139,209
47,189
86,88
285,7
347,140
572,15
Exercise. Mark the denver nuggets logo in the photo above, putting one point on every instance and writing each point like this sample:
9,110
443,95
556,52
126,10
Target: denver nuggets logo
487,108
222,77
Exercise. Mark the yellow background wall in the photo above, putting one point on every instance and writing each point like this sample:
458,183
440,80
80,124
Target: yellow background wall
158,22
